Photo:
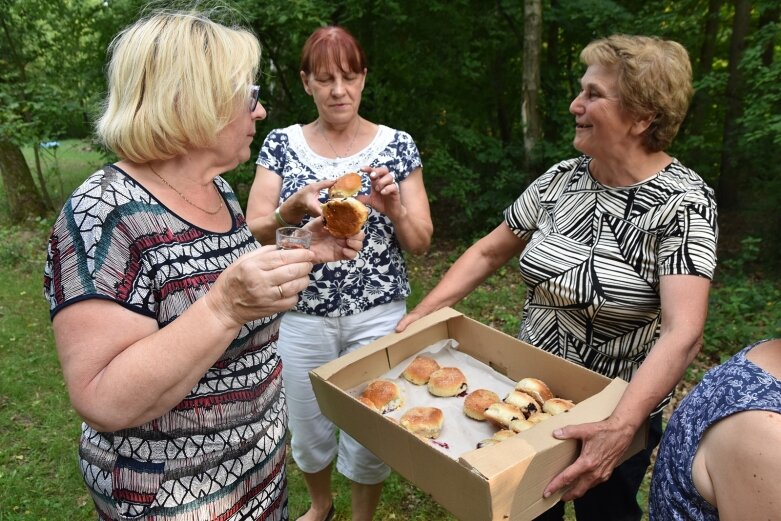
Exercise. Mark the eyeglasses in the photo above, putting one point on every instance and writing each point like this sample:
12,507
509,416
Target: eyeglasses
254,95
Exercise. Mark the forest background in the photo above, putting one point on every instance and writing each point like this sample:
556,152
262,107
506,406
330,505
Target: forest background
484,89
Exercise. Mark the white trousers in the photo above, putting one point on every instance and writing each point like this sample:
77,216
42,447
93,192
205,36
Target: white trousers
307,342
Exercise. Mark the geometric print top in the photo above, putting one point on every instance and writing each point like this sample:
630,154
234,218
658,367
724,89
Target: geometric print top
379,274
220,453
595,255
732,387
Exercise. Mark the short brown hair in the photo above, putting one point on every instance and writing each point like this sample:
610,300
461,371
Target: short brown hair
332,45
654,79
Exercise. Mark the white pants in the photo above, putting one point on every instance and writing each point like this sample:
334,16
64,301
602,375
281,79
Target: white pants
307,342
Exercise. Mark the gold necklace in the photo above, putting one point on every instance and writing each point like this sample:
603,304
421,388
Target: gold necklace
210,212
349,147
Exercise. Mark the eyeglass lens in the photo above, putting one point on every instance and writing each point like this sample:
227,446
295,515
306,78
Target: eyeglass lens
254,95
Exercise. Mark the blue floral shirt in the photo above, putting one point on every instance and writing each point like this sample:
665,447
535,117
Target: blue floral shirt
379,274
735,386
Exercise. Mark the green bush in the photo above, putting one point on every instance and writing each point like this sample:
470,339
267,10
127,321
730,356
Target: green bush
743,304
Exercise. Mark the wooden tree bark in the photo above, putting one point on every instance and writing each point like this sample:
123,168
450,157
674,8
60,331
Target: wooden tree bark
769,16
701,103
23,198
530,109
732,176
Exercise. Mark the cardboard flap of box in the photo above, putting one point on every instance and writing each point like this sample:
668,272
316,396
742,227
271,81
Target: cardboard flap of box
428,330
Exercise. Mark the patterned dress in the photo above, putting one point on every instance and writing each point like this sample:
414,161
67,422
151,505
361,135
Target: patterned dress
596,253
379,274
220,453
735,386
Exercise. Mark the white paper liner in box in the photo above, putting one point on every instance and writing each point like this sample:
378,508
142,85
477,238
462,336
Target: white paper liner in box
460,433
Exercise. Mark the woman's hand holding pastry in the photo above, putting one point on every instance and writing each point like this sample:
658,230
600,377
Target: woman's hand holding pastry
328,248
260,283
305,201
385,196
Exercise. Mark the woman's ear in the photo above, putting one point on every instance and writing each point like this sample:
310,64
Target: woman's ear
305,82
363,81
643,124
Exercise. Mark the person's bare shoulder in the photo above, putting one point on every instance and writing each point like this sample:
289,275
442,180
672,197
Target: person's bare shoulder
767,355
742,455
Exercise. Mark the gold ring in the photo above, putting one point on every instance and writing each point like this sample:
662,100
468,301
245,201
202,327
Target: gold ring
281,295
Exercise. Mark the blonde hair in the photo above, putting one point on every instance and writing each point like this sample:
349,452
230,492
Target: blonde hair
175,80
654,79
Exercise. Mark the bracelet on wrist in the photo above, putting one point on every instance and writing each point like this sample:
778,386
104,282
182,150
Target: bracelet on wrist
278,218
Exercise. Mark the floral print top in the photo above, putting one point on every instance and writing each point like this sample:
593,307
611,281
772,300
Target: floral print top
379,274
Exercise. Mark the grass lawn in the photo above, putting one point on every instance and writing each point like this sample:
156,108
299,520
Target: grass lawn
39,476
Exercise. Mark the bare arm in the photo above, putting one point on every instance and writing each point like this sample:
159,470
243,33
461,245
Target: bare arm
122,370
476,264
684,301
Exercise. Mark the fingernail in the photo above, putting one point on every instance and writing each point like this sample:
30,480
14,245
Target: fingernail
546,495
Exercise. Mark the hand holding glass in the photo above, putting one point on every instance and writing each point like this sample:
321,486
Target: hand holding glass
291,238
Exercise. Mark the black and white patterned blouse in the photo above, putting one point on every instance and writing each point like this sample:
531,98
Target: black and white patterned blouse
379,274
596,253
220,453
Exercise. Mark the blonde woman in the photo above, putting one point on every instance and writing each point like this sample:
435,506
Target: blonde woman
165,309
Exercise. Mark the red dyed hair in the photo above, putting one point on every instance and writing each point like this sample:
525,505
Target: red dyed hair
332,45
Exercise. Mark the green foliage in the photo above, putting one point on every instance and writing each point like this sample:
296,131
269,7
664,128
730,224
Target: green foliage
39,475
52,66
21,244
744,307
449,73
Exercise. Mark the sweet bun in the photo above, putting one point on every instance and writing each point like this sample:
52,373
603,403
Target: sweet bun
345,186
419,370
384,394
556,406
447,381
503,413
496,438
477,402
423,421
536,388
343,214
520,425
538,417
524,402
486,442
367,402
503,434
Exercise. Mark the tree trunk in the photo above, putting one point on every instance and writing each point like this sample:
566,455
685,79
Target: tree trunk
530,109
701,103
24,201
47,200
732,176
769,16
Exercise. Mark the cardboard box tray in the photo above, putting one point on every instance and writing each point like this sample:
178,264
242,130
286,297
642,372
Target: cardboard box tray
499,482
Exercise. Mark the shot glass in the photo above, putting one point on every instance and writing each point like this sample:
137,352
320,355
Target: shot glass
291,238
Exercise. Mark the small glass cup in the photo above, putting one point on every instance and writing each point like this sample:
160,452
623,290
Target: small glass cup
292,238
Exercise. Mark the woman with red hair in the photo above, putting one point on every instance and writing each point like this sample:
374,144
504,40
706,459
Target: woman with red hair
347,304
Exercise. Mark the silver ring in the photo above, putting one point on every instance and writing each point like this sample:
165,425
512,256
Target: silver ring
281,295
